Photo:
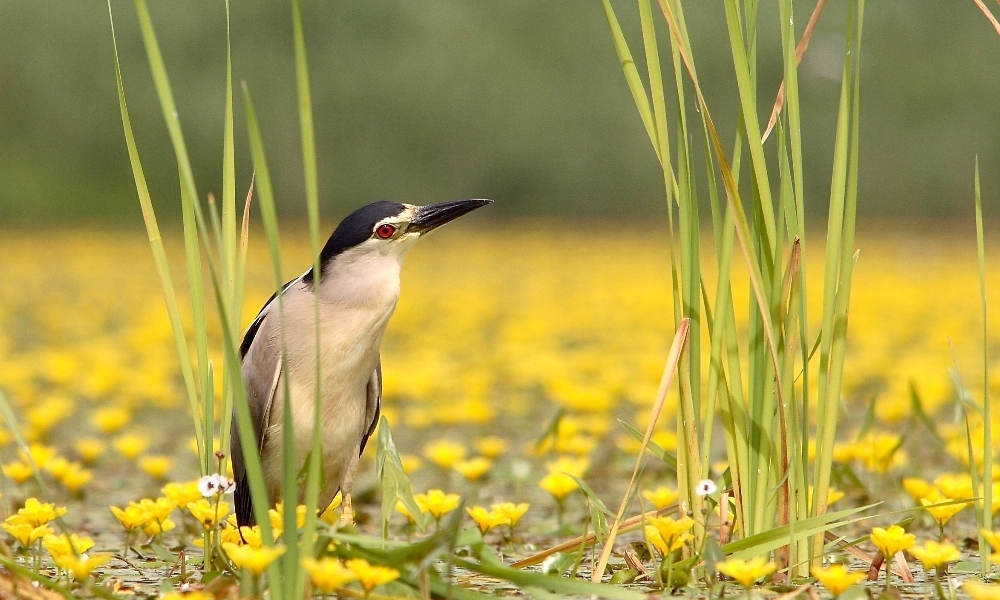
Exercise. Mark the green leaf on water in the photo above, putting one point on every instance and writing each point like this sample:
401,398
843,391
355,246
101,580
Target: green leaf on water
965,566
163,554
551,583
856,593
558,563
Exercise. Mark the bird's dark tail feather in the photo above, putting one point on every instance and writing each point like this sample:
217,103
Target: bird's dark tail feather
244,506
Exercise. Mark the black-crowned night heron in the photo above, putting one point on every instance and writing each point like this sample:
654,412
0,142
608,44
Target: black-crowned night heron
358,290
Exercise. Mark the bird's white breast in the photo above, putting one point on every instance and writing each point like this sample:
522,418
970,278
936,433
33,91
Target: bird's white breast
357,298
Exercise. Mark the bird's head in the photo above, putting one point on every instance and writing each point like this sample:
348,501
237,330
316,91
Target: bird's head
389,229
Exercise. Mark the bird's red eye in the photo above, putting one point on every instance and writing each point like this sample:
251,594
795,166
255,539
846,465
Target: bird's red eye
385,231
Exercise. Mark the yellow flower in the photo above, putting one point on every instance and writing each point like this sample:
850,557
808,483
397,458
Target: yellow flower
981,591
40,454
917,488
191,595
207,513
473,469
277,517
836,578
371,576
746,572
955,486
18,471
158,509
75,477
132,517
941,514
934,555
89,449
109,420
182,493
486,520
992,538
26,533
154,527
444,453
512,512
37,513
327,574
254,560
401,509
410,463
654,538
491,446
879,452
252,536
892,540
80,566
559,485
57,466
661,497
437,503
229,532
156,466
131,445
577,444
670,529
59,545
329,514
832,495
666,534
571,466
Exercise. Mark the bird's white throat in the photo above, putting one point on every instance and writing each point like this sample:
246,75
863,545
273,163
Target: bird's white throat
366,276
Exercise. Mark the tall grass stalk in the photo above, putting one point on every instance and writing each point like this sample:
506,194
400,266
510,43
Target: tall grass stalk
985,506
227,266
762,400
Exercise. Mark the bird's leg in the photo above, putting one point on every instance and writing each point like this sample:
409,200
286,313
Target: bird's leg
347,511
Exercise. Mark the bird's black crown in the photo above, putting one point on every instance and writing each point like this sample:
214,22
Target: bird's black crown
353,230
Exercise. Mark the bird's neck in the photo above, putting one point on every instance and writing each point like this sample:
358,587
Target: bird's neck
362,280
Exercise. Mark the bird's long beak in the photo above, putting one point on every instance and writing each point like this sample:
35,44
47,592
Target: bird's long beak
435,215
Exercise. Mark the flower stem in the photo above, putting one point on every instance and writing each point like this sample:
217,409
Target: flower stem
937,583
670,568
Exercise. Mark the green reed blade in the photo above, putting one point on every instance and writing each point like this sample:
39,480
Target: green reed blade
312,205
229,249
744,76
268,211
845,181
248,441
159,253
632,77
189,195
986,513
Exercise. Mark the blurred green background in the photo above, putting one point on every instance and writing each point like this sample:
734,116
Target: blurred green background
520,101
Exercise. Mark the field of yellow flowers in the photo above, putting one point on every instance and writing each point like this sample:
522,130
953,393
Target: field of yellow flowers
497,332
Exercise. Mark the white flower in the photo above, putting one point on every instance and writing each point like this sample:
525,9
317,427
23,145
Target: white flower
706,487
211,485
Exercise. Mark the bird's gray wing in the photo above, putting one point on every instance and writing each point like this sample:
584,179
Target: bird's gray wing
261,369
373,405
